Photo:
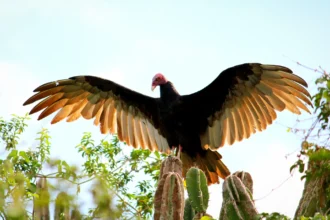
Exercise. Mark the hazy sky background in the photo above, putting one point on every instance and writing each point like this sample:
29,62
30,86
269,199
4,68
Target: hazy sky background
191,42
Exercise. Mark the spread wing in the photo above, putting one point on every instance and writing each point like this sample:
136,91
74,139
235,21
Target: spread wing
243,99
116,109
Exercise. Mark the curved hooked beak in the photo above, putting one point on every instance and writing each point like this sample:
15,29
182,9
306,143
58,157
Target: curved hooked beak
153,87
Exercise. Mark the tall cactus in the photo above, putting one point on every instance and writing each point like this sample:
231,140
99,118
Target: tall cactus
62,207
75,214
41,203
197,189
169,196
237,201
316,196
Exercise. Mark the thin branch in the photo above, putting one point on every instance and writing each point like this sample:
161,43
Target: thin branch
306,67
263,197
126,203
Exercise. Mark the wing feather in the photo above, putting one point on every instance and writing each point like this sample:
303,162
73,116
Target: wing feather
98,114
105,117
76,111
251,116
137,132
238,124
87,111
47,102
262,107
98,108
259,115
130,129
144,131
119,122
244,119
112,120
52,108
63,113
43,94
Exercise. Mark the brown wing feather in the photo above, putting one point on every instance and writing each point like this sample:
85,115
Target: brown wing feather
115,108
244,100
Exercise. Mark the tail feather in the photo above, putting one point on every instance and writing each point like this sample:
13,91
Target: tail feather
210,163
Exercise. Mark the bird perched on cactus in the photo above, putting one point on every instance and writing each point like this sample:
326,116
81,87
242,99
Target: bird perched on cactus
239,102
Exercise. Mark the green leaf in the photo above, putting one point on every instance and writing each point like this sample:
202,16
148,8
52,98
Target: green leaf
32,188
301,167
12,154
320,155
24,155
303,177
157,154
293,167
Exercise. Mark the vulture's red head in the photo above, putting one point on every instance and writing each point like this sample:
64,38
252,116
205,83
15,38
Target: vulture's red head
157,80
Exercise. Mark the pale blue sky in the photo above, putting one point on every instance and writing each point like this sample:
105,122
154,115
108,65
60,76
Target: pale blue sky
191,42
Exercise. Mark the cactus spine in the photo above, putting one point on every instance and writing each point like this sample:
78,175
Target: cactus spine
237,201
197,189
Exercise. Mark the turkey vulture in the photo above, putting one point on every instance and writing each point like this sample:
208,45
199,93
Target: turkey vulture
239,102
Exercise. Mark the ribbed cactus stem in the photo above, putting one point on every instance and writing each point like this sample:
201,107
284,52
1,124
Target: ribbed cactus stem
169,197
316,196
41,203
75,214
237,203
171,164
189,212
197,189
62,207
246,179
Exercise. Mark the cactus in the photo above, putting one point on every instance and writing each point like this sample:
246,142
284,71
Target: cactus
314,197
237,202
62,206
197,189
75,214
41,203
189,212
169,197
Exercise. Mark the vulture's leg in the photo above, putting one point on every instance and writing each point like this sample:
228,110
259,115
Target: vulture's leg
178,151
173,152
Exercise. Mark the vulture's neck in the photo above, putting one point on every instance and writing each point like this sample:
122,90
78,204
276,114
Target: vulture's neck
168,93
